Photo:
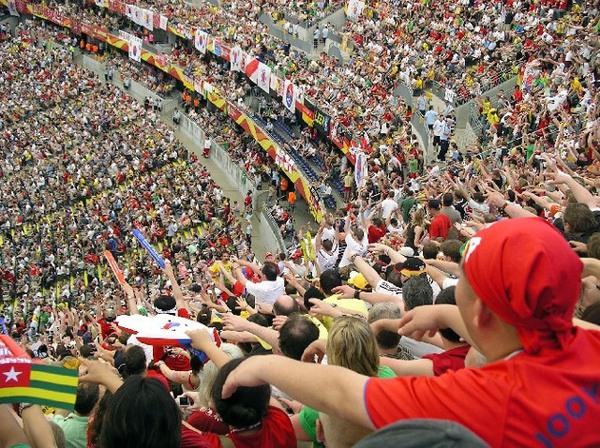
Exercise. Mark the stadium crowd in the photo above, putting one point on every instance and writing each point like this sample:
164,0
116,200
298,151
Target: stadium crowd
467,290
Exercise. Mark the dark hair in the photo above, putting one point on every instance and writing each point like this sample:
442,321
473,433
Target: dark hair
165,302
270,270
205,314
451,248
86,399
135,360
447,199
593,246
417,291
247,405
327,244
312,293
195,364
295,335
580,218
430,251
394,277
446,297
95,424
330,279
259,319
232,305
141,414
285,309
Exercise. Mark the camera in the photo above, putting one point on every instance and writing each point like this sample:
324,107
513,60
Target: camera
182,400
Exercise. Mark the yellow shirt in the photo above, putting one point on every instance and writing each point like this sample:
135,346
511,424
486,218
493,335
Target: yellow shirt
351,304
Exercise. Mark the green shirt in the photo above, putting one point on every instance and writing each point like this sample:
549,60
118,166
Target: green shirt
75,429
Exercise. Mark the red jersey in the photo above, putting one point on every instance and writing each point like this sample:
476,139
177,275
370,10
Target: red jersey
375,233
453,359
276,431
544,400
440,226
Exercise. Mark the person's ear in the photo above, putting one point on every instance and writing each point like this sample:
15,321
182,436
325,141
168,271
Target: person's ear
482,314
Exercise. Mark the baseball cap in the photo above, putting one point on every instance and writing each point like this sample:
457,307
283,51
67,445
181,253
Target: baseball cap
358,280
296,254
434,203
411,267
527,274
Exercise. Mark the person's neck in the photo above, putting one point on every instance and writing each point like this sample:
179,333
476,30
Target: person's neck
504,351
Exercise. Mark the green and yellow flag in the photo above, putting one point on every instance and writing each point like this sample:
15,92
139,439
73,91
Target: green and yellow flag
23,381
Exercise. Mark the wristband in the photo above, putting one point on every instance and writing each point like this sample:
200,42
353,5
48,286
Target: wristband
506,204
357,293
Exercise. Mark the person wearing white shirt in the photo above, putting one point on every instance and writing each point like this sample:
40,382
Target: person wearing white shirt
271,286
388,206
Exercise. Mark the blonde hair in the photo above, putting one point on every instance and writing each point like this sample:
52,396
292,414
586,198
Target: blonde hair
208,374
352,344
419,216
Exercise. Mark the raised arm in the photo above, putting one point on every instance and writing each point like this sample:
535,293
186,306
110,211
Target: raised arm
333,390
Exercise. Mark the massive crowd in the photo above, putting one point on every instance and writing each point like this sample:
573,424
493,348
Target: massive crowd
457,285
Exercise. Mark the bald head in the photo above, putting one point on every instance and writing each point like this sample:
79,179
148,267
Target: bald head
285,305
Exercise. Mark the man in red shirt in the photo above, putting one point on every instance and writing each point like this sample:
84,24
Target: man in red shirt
441,224
516,297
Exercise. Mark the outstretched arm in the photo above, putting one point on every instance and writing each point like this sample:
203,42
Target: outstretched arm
332,389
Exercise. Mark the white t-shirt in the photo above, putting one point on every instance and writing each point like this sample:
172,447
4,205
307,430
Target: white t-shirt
388,206
354,246
267,291
326,261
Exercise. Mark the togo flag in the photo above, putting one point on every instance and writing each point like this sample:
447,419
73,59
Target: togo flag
23,381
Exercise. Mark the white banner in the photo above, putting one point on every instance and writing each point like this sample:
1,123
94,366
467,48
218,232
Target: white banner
289,96
148,19
163,22
450,95
137,15
264,76
355,9
135,48
201,41
237,56
360,169
12,8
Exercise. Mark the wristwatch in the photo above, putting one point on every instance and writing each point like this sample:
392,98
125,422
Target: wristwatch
506,204
357,293
352,258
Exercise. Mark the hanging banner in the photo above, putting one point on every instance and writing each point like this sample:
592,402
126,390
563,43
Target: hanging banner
201,41
307,108
360,169
135,48
354,9
264,76
276,84
148,19
217,48
12,8
321,122
237,56
251,68
163,22
289,96
450,95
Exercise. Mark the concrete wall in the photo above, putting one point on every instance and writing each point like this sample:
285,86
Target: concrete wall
267,229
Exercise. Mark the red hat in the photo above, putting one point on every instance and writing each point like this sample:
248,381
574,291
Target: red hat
525,272
296,254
